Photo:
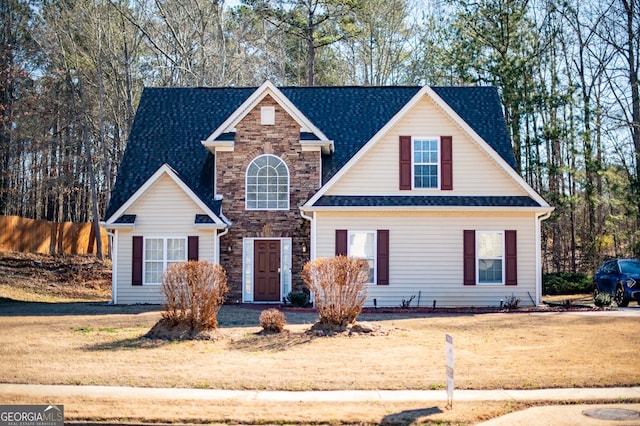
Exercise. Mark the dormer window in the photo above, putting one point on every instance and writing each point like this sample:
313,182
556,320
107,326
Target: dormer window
268,115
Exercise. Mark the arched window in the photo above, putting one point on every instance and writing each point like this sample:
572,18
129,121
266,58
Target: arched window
267,184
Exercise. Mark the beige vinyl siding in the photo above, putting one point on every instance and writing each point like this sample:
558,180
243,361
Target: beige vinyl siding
426,258
474,171
165,210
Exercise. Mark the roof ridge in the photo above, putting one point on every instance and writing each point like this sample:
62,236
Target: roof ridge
350,86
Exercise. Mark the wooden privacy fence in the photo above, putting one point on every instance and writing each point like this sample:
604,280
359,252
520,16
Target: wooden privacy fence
41,236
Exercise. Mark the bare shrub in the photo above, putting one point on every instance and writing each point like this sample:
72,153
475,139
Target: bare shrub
194,293
511,302
272,320
339,286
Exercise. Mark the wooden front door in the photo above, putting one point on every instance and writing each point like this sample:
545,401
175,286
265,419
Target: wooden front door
266,270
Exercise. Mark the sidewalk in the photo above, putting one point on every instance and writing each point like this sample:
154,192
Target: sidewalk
539,416
563,394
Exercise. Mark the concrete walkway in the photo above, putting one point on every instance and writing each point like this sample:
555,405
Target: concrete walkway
564,394
552,415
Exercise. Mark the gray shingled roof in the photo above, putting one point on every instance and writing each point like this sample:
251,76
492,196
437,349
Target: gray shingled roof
170,124
202,219
126,219
430,201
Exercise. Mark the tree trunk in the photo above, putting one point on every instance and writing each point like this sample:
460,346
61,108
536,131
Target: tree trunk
87,144
633,45
311,50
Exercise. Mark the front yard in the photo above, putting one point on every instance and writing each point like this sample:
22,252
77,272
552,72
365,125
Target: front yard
94,344
54,340
104,345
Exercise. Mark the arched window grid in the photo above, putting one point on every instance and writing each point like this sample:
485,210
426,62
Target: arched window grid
267,184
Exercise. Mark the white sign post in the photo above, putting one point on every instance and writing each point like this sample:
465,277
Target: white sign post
449,351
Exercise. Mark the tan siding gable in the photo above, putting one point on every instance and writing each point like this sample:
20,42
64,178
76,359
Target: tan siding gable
474,171
164,210
164,203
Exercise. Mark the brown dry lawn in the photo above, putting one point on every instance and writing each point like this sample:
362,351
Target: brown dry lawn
95,344
43,278
103,345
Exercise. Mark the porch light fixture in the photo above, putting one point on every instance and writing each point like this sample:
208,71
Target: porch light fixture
229,248
304,247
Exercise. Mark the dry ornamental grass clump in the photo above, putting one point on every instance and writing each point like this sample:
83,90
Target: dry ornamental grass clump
194,293
340,288
272,321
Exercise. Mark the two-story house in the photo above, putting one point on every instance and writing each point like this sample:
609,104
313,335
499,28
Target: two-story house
420,182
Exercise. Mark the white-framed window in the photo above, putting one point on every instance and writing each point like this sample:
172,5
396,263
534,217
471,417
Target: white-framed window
426,162
362,244
159,254
267,184
490,250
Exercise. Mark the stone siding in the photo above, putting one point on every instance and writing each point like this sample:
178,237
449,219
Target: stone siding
252,140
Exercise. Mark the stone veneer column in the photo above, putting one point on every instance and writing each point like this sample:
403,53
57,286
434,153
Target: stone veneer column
254,139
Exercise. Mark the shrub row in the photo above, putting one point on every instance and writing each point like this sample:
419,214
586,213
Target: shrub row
195,291
566,283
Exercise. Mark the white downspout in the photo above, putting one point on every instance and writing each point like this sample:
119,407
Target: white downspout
312,237
312,243
114,265
539,219
218,235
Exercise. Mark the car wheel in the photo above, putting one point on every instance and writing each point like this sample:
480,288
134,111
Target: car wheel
619,297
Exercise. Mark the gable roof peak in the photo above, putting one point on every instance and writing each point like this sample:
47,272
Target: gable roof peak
267,89
165,170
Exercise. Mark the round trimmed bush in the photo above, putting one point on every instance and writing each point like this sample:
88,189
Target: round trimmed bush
272,321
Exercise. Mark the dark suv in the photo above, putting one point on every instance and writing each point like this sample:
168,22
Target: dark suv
619,277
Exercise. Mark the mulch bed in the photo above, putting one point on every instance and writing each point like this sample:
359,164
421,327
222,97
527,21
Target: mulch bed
551,307
163,330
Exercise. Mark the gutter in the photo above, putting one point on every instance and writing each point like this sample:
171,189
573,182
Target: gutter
112,234
545,215
312,243
425,208
539,218
218,235
312,236
309,218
